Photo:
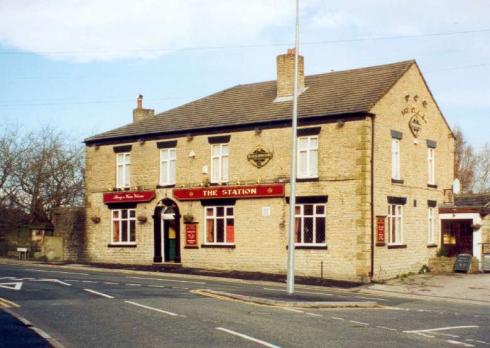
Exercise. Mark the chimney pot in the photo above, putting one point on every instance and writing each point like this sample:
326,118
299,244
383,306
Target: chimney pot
139,113
140,102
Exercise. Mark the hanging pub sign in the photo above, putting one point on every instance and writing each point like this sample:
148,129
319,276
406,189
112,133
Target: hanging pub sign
191,235
380,231
128,197
217,192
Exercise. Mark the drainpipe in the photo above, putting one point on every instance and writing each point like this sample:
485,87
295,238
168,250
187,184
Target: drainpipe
371,273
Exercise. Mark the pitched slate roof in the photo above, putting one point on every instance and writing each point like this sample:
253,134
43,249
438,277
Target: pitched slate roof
334,93
472,200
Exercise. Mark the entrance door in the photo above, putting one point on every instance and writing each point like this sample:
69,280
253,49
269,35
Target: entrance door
457,236
166,232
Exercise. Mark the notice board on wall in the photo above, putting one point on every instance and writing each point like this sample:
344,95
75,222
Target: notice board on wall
191,235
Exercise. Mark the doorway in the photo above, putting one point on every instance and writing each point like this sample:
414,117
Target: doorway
457,236
166,232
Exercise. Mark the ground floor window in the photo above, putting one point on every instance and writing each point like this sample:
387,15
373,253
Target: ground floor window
310,224
220,225
395,224
123,226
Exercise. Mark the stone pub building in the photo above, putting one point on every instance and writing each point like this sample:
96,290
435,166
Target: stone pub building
206,184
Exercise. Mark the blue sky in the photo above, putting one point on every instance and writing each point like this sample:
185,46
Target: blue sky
79,65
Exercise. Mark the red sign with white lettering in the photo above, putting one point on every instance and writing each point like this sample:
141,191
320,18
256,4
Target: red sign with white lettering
215,192
191,235
128,196
380,230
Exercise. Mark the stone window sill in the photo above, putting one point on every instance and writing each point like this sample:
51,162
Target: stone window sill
219,246
165,186
397,181
431,245
431,186
309,247
307,179
397,246
115,245
191,247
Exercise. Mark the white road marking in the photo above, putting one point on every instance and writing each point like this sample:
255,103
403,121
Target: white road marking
40,332
263,343
313,314
111,283
43,270
303,292
89,281
386,328
155,309
98,293
460,343
292,310
157,286
358,322
371,298
72,280
168,280
50,280
337,318
11,286
483,342
443,329
132,284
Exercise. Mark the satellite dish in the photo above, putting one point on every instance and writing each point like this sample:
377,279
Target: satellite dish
456,186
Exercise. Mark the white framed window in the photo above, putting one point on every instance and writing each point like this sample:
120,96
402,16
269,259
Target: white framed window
395,224
395,159
220,225
168,159
307,157
431,232
123,169
219,163
123,226
310,224
431,166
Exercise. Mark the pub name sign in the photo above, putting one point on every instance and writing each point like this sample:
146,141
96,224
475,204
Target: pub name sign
217,192
128,197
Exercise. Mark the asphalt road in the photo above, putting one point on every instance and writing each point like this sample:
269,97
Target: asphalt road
111,309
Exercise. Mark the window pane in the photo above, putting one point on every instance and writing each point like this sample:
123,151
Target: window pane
320,209
224,171
224,150
115,231
126,179
314,143
320,230
308,230
297,210
303,143
124,231
127,158
171,178
120,174
220,211
115,214
220,230
216,150
302,165
229,211
132,213
209,211
297,230
314,163
132,231
164,155
124,213
173,154
209,231
215,174
308,209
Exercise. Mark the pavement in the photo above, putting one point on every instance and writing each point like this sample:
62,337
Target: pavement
80,306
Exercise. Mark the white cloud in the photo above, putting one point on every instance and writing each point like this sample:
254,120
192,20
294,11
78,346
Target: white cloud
86,30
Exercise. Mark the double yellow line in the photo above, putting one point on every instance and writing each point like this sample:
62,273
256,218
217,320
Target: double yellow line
4,303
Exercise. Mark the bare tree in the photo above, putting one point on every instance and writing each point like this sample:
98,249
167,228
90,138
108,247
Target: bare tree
464,161
9,154
482,179
49,174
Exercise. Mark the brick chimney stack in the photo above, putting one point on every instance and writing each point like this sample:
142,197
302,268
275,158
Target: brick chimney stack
285,74
141,114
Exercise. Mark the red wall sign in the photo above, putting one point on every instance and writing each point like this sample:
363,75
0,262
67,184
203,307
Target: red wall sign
128,196
245,191
380,230
191,235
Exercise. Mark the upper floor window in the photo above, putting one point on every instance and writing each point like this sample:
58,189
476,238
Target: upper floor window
123,164
220,225
395,159
431,166
395,224
124,226
310,221
219,163
168,159
308,157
